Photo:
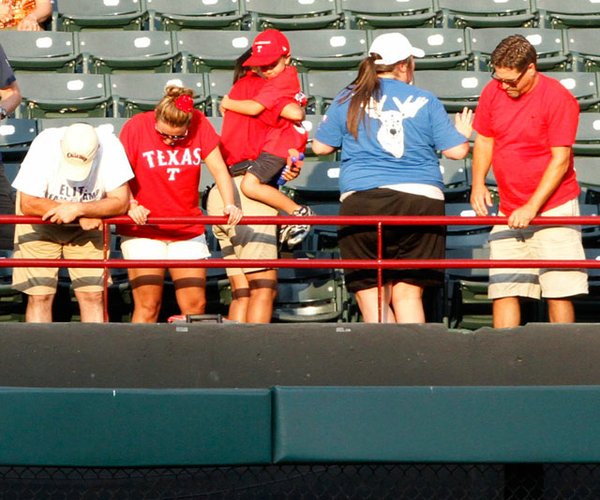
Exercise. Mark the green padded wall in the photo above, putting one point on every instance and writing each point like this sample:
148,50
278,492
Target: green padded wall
437,424
101,427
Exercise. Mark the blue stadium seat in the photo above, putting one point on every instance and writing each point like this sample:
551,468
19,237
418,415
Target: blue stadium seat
291,14
485,13
78,15
562,13
114,124
194,14
218,83
373,14
16,135
583,48
41,51
548,44
135,92
119,51
584,86
47,95
456,182
587,141
328,48
204,50
309,295
455,89
322,86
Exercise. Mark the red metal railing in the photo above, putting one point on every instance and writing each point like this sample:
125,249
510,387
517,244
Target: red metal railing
380,264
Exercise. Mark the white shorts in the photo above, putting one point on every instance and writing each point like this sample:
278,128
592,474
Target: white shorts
149,249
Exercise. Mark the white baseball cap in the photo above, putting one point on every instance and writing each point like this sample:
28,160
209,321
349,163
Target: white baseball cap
393,48
79,146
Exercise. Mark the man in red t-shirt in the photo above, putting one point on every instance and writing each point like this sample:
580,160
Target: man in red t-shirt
526,124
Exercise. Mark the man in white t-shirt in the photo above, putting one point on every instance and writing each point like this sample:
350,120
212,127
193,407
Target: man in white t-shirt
72,176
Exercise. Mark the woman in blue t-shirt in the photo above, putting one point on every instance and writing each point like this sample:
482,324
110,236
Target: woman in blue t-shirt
389,133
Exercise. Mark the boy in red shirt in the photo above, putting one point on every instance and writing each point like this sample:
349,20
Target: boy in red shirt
285,141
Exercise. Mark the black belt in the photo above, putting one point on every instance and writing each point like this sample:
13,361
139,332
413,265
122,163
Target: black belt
239,168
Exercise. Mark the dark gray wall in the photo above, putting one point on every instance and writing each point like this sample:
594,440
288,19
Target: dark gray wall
201,355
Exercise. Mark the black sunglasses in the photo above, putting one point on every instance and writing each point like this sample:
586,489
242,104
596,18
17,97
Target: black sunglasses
171,137
512,82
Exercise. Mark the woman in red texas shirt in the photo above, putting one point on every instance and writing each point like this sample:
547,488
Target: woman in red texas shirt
166,148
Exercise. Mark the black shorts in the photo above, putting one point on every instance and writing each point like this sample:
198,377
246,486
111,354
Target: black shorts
267,168
399,242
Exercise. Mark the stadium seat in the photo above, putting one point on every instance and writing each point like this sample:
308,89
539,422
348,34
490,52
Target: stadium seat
587,306
587,141
78,15
583,48
467,236
290,14
48,95
126,51
193,14
218,83
561,13
309,295
135,92
583,86
218,287
444,48
322,86
327,48
485,13
216,122
41,51
204,50
11,169
548,44
114,124
373,14
468,303
590,235
318,181
16,135
587,170
311,124
455,89
456,182
12,302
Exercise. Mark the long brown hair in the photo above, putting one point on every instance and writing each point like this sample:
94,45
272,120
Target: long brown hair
364,87
239,70
166,110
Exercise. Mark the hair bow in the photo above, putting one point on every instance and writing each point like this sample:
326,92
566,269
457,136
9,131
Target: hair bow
184,103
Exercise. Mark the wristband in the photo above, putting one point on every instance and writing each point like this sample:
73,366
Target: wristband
133,201
230,206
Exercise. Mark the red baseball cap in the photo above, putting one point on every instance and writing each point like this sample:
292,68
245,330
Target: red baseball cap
267,47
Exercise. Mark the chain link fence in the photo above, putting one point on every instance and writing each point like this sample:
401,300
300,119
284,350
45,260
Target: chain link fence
297,482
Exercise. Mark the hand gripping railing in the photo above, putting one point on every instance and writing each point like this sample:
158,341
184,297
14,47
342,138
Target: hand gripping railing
380,264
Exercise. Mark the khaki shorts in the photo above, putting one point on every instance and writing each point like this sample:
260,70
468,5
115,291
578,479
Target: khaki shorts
538,242
244,241
52,241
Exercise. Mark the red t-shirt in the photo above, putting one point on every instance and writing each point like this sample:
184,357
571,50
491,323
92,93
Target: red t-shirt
243,136
283,134
524,130
166,177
